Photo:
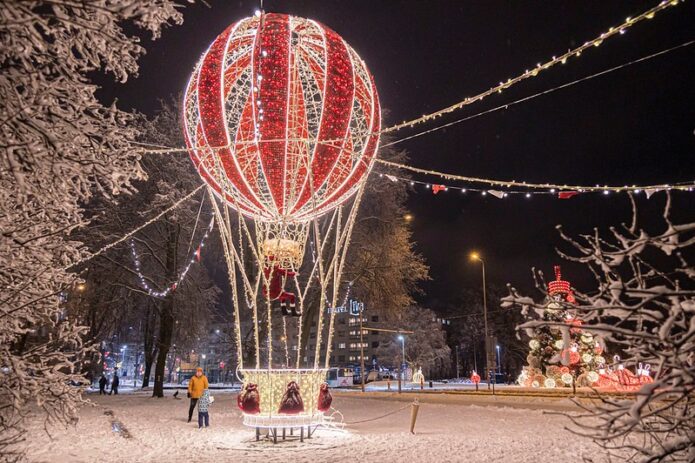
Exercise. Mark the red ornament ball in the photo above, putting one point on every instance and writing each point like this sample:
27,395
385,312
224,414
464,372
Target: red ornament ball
281,118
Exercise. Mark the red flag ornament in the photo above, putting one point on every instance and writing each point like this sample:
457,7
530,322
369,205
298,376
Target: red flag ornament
567,194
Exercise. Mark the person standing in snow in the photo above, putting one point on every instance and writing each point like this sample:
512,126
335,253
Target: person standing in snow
102,384
196,386
114,383
203,404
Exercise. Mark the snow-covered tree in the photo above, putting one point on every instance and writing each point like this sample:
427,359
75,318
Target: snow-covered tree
644,304
164,250
425,348
58,146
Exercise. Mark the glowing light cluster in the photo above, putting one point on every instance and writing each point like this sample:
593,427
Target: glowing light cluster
281,118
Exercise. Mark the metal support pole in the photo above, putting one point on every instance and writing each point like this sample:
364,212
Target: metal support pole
361,351
487,333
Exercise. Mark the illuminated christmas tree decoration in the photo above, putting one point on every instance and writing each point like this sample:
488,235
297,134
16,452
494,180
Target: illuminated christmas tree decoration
566,355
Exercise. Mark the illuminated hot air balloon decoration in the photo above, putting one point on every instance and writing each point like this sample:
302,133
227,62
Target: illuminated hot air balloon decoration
281,121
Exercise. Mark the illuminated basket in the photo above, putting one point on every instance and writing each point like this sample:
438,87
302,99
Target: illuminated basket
284,252
272,385
282,244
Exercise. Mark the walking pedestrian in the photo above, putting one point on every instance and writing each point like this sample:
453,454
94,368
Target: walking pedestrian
102,384
196,386
203,404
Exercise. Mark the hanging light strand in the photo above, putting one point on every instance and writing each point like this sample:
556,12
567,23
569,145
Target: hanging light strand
436,188
527,74
506,106
170,287
133,232
686,186
555,60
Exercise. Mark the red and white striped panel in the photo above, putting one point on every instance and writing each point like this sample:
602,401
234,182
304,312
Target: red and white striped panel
280,118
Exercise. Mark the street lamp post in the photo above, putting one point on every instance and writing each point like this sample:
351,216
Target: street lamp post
488,346
124,359
499,364
361,349
401,373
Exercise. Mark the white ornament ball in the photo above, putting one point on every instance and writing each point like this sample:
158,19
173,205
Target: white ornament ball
559,343
522,378
535,384
587,358
549,383
587,337
592,376
534,344
599,360
566,378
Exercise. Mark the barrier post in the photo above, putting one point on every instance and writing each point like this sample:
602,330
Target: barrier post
413,415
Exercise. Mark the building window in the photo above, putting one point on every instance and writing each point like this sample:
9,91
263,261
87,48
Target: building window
341,345
375,318
357,332
341,358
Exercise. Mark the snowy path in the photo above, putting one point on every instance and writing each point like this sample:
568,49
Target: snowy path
454,431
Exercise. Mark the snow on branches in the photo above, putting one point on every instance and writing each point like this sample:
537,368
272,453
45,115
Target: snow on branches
58,146
644,305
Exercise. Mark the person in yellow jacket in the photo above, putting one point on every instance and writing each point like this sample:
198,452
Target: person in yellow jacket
196,386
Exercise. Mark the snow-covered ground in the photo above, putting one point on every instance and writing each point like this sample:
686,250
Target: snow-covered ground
449,429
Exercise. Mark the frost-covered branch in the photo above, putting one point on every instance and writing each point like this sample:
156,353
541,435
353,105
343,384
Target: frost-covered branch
650,315
59,146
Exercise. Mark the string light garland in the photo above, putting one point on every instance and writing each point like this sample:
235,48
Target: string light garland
436,188
133,232
550,187
171,287
506,106
555,60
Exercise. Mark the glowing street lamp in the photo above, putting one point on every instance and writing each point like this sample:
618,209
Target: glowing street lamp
476,256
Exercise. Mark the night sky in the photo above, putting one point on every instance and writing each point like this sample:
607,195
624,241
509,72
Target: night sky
632,126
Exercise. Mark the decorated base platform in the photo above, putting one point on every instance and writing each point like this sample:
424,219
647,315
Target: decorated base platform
272,385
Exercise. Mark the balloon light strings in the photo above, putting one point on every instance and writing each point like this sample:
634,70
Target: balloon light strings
527,74
550,187
171,287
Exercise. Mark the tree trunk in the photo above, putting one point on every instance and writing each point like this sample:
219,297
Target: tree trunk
149,345
166,322
166,327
